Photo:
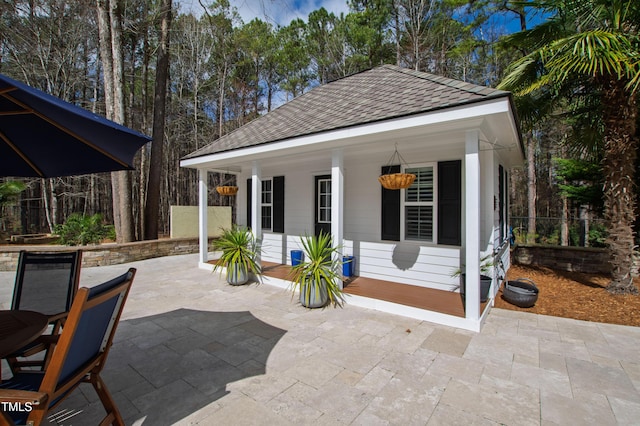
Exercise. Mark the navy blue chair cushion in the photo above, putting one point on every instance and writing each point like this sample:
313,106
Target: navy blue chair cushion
93,328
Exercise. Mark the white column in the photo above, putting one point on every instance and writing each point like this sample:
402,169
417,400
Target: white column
472,224
256,200
337,200
203,234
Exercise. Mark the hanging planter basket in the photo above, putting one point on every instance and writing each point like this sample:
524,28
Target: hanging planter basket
396,180
227,190
227,187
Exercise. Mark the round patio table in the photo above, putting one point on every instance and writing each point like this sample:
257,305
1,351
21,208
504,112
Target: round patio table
19,328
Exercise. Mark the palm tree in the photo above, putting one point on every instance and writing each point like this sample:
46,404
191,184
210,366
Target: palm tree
594,46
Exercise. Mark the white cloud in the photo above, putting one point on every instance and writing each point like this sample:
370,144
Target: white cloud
274,11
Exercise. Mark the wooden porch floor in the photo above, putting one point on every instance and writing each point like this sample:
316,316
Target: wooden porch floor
445,302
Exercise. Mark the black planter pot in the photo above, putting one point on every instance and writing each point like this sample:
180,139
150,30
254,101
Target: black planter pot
485,286
521,292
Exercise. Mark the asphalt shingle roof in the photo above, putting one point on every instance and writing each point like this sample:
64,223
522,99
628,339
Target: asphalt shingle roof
378,94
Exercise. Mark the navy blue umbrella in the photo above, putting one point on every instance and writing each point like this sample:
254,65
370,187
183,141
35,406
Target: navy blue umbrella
44,136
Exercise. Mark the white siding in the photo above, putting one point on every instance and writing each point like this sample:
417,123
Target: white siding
408,263
426,265
362,214
273,247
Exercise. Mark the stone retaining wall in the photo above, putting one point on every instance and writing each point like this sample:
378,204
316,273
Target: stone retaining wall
108,254
573,259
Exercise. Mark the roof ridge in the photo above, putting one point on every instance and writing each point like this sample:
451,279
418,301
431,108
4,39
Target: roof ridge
445,81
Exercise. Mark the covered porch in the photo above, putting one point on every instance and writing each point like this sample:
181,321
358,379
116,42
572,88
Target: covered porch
450,218
409,277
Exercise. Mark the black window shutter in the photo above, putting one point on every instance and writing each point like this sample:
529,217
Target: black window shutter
450,202
249,203
390,209
278,204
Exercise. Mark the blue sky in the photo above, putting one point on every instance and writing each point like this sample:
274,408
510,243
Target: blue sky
274,11
282,12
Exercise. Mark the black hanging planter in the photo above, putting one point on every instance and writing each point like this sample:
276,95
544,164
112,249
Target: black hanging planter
485,286
522,292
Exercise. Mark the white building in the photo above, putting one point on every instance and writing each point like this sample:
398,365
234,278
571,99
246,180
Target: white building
313,164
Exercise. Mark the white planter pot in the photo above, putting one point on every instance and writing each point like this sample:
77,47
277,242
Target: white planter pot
237,274
314,298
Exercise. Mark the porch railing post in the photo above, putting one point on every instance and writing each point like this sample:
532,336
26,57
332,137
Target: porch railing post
472,225
256,200
337,200
203,234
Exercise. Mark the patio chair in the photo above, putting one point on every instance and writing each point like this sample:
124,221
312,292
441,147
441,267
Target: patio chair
45,283
78,357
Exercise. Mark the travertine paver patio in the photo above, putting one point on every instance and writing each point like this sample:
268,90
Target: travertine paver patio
193,350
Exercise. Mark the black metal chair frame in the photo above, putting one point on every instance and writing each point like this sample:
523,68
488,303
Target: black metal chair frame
70,261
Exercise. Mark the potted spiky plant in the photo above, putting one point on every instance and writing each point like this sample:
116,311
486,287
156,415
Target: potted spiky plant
318,275
239,251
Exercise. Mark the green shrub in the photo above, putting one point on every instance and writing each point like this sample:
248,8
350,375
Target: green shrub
597,235
10,190
522,236
80,230
553,239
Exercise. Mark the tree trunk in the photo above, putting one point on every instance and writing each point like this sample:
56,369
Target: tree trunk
104,30
564,222
45,199
396,19
146,58
125,212
152,206
110,31
221,98
584,226
620,149
531,187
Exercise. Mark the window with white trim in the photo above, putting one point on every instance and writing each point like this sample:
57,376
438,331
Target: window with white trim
324,201
267,204
419,205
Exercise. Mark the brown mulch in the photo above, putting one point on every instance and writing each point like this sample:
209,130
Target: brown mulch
575,295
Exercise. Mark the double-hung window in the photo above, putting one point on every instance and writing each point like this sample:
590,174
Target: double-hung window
419,205
430,210
267,204
271,202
